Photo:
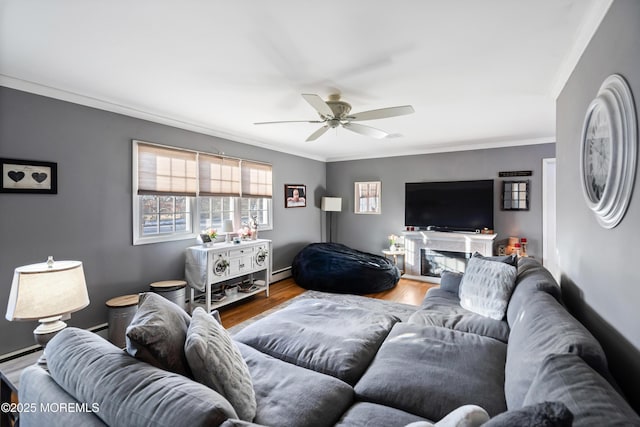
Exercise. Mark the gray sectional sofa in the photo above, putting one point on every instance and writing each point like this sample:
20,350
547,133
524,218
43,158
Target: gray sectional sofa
320,362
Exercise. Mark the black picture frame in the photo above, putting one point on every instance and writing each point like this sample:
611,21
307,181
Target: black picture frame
28,176
293,201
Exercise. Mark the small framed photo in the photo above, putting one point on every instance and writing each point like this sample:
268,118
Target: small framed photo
295,196
367,197
28,176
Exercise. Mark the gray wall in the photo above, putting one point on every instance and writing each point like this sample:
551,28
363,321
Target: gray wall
369,232
90,218
601,280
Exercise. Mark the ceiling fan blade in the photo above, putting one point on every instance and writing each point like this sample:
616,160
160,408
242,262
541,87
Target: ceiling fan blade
381,113
290,121
319,104
365,130
317,134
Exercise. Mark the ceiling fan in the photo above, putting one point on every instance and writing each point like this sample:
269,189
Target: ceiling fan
335,112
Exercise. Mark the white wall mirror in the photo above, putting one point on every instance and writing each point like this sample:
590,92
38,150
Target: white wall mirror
367,197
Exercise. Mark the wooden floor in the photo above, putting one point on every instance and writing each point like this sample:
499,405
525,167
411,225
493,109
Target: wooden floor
407,292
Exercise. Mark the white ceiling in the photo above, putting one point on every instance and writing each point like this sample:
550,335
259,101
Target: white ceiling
479,73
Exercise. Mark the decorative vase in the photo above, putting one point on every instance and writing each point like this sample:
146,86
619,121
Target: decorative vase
254,235
392,247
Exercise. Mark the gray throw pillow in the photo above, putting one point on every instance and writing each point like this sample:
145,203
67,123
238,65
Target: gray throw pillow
486,287
507,259
157,332
450,281
216,362
544,414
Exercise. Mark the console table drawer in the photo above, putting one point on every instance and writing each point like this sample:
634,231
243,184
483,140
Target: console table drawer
240,265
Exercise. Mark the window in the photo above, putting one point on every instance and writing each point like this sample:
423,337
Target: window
214,210
164,214
177,193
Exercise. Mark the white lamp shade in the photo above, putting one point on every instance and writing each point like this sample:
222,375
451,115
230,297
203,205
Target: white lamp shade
39,291
227,226
331,204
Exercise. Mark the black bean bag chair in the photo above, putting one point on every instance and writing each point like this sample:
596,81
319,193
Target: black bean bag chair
333,267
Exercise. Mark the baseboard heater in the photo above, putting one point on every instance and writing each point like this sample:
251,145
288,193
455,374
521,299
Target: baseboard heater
32,349
281,274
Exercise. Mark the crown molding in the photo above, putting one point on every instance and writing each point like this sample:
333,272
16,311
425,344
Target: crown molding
100,104
75,98
453,147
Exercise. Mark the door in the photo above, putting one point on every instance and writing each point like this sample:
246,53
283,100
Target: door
549,251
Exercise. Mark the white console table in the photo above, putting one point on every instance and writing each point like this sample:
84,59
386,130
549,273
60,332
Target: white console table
221,262
442,241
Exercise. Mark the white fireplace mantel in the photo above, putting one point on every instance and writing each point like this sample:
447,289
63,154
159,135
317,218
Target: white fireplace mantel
468,243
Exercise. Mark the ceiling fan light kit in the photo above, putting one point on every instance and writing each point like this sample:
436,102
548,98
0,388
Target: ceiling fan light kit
335,112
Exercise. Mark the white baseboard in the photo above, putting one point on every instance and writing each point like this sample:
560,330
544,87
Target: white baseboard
429,279
281,274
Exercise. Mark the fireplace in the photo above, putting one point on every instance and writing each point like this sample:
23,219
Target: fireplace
450,250
433,263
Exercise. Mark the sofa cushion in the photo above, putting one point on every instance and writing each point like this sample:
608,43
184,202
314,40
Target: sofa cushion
544,414
365,414
544,327
532,278
37,387
288,395
330,338
157,333
590,398
442,308
430,371
486,287
216,362
128,391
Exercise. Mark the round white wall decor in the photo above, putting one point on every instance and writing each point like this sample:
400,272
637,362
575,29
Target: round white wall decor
608,151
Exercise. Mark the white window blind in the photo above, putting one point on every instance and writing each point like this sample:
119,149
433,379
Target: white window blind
163,170
256,179
219,176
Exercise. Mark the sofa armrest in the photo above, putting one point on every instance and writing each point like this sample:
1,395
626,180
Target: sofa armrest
129,391
45,403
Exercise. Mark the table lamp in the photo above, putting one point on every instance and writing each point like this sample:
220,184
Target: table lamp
46,292
331,204
227,227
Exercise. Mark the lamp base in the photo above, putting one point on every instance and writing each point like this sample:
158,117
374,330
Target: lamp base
46,330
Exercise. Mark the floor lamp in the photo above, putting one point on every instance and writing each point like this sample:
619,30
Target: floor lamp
331,204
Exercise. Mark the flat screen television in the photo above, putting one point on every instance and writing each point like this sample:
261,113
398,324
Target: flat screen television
449,205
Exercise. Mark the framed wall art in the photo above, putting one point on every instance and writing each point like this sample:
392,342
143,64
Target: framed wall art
28,176
295,196
608,151
515,195
367,197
